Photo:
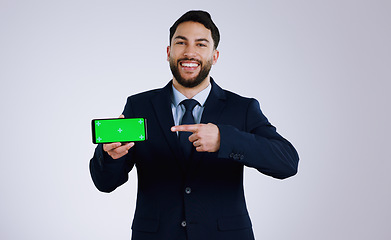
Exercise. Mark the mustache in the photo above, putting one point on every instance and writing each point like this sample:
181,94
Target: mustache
189,59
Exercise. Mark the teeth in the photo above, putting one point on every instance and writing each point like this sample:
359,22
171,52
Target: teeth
189,65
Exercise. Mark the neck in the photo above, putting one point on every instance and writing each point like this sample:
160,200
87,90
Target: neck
191,92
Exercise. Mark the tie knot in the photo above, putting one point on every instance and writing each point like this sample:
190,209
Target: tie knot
189,104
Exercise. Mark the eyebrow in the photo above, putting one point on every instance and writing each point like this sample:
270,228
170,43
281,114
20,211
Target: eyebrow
197,40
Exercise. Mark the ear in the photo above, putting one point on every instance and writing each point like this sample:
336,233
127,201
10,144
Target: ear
216,55
168,53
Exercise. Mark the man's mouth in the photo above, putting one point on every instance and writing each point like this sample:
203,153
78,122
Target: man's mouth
189,65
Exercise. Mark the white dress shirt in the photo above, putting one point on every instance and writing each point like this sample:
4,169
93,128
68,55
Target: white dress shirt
178,110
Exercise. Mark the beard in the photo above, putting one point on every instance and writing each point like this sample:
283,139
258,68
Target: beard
193,82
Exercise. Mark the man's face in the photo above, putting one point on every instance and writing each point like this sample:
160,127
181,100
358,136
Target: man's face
191,54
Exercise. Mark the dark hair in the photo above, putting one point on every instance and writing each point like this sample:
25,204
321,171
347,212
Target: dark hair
201,17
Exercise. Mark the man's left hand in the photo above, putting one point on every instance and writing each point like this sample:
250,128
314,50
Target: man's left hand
205,137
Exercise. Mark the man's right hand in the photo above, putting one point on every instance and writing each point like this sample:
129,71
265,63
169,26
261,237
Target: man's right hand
117,150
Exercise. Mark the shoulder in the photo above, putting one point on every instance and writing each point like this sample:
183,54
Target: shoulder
145,95
235,96
236,99
144,101
150,94
229,96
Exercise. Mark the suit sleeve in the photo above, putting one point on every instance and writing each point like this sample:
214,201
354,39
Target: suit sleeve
108,173
259,145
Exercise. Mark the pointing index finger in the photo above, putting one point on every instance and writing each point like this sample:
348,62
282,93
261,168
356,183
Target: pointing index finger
185,128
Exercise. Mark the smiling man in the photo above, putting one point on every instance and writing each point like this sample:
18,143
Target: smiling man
191,56
200,137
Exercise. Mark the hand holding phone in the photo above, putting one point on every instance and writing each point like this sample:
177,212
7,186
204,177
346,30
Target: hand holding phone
117,150
118,145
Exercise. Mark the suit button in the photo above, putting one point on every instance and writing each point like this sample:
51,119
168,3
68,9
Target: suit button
183,223
188,190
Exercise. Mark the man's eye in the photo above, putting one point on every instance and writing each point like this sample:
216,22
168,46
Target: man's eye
201,45
180,43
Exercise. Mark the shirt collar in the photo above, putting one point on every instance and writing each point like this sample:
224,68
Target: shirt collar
177,97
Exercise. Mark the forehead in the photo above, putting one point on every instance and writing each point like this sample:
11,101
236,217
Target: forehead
192,30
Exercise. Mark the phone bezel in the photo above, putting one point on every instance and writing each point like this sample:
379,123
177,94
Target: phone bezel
119,119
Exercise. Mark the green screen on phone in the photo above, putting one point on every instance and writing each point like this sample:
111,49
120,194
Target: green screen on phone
118,130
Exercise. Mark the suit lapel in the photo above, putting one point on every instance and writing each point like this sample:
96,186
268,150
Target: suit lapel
214,106
162,107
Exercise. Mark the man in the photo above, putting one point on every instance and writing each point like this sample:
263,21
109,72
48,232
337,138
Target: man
191,187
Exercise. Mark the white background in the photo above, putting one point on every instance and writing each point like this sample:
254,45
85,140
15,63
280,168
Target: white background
320,69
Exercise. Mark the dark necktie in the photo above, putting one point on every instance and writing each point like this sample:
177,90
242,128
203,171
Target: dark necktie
187,119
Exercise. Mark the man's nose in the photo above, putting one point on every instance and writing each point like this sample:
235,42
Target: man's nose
190,51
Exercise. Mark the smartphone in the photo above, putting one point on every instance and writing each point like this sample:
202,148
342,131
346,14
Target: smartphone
111,130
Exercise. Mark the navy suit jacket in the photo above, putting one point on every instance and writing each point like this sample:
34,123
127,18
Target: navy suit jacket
201,198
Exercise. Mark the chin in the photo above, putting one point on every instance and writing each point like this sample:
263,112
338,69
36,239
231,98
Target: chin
190,83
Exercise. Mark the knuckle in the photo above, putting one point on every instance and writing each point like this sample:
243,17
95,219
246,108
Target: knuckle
106,147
